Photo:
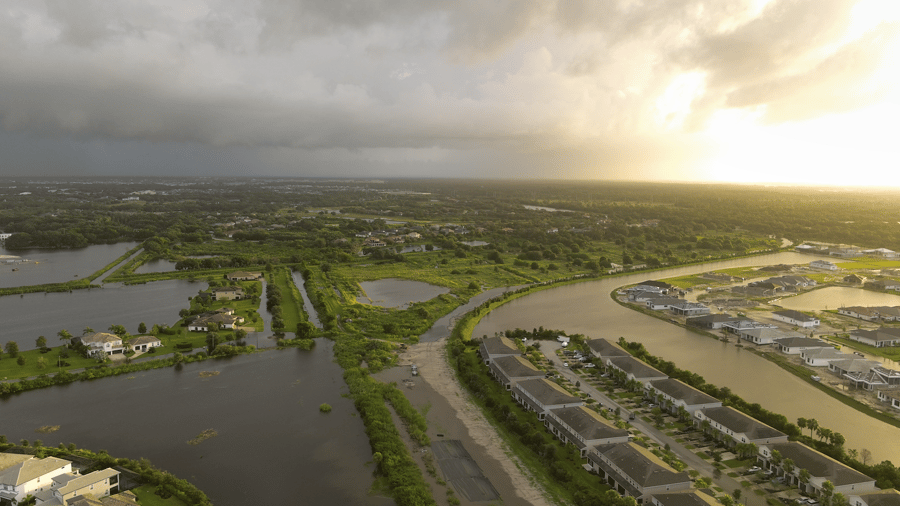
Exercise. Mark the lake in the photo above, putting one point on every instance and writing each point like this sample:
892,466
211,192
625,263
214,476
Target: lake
834,297
58,266
586,308
273,444
393,292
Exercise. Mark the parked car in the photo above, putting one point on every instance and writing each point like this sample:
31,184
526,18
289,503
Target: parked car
631,416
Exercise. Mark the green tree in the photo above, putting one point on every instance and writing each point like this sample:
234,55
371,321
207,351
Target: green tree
212,340
41,363
305,330
812,424
41,342
119,330
142,328
21,360
12,349
67,338
86,331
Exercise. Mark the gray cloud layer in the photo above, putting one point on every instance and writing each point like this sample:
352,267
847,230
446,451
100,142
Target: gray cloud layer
455,85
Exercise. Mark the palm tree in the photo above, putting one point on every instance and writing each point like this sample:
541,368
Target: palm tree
812,424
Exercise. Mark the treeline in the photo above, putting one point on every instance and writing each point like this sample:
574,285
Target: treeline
167,485
885,473
392,458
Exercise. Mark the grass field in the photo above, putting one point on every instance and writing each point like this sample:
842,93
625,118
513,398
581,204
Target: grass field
869,263
291,302
147,497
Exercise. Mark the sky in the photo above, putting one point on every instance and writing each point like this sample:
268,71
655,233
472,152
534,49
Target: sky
789,91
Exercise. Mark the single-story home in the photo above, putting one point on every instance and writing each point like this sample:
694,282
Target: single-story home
144,343
244,276
863,313
713,321
891,396
879,338
685,308
823,264
821,357
794,345
796,318
660,303
767,335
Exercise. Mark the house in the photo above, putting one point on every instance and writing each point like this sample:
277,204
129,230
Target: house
495,347
144,343
509,370
796,318
794,345
874,378
103,342
879,338
888,313
632,470
227,293
660,303
662,285
821,357
603,349
881,498
823,265
890,396
673,395
844,252
583,427
863,313
634,369
882,284
766,335
852,367
206,321
853,279
712,321
50,479
21,475
685,498
737,426
541,395
821,468
685,308
737,327
244,276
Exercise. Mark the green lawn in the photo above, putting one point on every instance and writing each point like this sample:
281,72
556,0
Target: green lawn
292,302
868,263
147,497
10,369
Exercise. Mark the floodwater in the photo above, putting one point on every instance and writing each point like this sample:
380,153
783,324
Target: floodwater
393,292
27,316
548,209
58,266
273,445
307,303
834,297
158,265
589,310
475,243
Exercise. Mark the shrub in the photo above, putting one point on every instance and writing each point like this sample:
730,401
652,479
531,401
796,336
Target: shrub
325,408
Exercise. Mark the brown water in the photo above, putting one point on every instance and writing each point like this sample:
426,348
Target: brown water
587,308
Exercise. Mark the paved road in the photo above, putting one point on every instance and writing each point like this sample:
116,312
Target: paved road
705,468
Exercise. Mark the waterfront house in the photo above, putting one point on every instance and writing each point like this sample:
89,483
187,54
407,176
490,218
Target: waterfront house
583,427
509,370
69,486
144,343
737,427
821,357
891,396
603,349
766,335
794,345
685,308
883,284
244,276
862,313
879,338
851,367
672,394
103,342
227,293
821,468
634,471
634,369
888,313
736,327
542,395
495,347
660,303
823,265
874,378
51,480
712,321
207,321
796,318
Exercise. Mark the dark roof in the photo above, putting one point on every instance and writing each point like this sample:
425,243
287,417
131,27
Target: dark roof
547,393
500,346
641,466
819,465
883,498
605,348
636,368
796,315
660,284
587,423
741,423
678,390
515,367
793,342
714,318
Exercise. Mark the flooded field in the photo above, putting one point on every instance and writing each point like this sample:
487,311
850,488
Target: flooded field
398,292
57,266
834,297
158,265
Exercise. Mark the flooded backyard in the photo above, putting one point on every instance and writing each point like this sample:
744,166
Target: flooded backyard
398,293
834,297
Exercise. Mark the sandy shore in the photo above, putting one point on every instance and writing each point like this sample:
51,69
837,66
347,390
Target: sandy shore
449,412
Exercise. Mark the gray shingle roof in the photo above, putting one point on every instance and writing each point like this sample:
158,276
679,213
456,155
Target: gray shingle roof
741,423
641,466
587,423
818,464
547,393
604,348
635,367
678,390
516,367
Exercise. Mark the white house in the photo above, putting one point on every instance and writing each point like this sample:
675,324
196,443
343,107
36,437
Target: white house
796,318
50,480
144,343
103,342
821,357
823,264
